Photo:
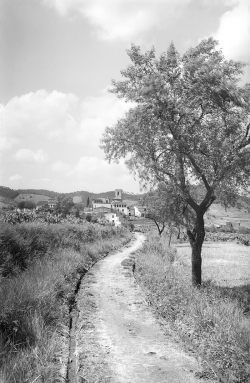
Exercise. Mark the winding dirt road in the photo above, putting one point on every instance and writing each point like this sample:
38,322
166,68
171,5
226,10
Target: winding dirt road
118,338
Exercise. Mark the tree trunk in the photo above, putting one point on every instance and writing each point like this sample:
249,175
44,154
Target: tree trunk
196,239
170,237
179,232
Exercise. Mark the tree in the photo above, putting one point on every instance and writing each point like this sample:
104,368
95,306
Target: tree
88,201
26,205
189,124
64,205
164,207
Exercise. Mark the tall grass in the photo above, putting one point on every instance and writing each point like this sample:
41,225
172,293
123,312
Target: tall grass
35,296
210,318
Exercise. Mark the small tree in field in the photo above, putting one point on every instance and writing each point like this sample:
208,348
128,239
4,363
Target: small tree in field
164,207
189,125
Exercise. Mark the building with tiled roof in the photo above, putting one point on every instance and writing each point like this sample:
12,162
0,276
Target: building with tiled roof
41,204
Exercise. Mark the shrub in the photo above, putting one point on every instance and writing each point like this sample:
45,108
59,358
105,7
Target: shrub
243,230
88,218
128,225
226,229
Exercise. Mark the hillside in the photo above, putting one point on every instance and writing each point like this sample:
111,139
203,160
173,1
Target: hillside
31,197
217,214
4,202
110,194
12,196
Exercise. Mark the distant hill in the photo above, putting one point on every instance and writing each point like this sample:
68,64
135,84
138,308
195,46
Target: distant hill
36,195
12,194
44,192
8,193
110,194
31,197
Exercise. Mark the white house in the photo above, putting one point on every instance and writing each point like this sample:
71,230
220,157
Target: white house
112,217
52,203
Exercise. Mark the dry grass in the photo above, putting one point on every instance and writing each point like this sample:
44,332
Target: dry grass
226,264
211,318
34,305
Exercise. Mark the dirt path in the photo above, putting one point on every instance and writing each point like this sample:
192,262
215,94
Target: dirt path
118,338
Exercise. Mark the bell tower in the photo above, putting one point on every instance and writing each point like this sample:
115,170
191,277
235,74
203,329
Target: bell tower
118,194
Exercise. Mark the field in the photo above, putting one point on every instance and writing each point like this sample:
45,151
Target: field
4,202
218,215
226,264
31,197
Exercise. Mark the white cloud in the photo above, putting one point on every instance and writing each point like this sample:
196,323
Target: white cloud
5,144
60,166
57,117
41,111
28,155
121,19
97,113
66,129
234,31
101,175
14,178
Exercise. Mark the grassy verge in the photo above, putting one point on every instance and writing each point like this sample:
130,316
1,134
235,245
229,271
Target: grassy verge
211,319
37,293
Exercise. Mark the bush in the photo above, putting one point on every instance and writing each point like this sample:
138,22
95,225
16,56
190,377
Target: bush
226,229
88,218
128,225
243,230
228,237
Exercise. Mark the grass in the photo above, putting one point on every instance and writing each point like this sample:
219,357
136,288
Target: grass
227,264
35,300
211,319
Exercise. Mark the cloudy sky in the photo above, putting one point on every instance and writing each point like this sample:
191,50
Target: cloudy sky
57,61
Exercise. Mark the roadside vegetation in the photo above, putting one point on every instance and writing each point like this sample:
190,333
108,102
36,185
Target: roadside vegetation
40,267
213,320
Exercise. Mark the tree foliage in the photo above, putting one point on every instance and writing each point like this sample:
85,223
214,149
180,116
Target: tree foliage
189,124
164,207
26,205
64,205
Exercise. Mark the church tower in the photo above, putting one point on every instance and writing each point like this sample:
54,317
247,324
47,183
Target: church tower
118,194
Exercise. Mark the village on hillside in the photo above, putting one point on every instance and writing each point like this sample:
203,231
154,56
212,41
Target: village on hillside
114,210
117,208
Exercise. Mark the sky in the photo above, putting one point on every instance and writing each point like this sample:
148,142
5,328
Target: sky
57,61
